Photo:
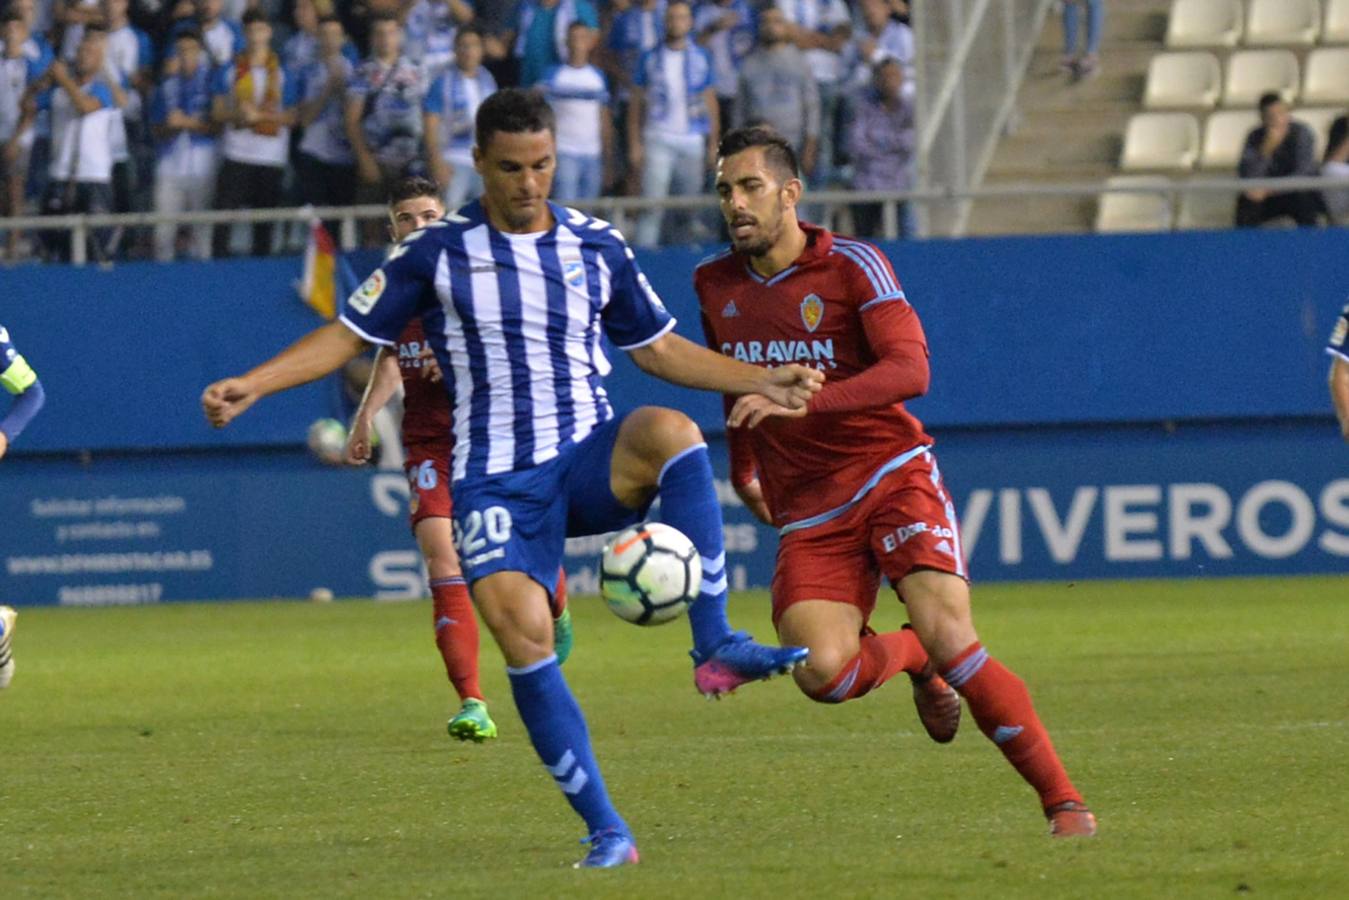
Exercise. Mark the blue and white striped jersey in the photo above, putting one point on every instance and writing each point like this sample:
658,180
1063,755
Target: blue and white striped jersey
515,322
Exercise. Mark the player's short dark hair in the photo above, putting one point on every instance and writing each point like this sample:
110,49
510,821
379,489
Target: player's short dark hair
254,16
11,14
513,111
329,18
377,18
189,34
777,150
412,187
1269,98
468,29
96,28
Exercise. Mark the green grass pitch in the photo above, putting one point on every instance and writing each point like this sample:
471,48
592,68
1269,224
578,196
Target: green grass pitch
289,749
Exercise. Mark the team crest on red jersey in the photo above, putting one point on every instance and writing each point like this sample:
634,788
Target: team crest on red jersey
812,311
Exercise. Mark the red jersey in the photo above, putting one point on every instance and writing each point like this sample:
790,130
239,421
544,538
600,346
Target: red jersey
426,405
839,308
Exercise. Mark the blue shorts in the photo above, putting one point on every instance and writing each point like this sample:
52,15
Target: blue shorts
520,521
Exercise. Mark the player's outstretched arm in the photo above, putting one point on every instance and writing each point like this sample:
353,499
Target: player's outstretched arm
318,353
1339,393
680,361
384,378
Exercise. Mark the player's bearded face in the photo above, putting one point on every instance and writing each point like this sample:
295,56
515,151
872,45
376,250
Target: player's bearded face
753,202
517,176
756,226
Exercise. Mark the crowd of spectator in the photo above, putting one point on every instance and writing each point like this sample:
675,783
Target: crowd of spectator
1282,147
187,105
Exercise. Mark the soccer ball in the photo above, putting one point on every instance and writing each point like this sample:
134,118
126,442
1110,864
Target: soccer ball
328,441
650,573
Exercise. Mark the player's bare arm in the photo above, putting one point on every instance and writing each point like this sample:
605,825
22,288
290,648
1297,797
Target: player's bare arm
384,380
680,361
318,353
1339,393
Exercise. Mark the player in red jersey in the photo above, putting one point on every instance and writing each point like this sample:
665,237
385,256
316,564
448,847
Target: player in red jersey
851,482
415,203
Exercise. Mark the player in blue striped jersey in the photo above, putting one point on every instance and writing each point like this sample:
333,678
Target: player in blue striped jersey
18,379
514,293
1338,348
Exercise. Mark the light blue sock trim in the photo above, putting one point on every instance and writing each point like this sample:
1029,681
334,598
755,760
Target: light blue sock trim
676,458
532,667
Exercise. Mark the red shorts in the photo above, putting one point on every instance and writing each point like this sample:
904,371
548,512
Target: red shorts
428,471
905,522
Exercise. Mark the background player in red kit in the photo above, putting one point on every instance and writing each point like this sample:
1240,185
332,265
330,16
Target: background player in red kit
850,481
415,203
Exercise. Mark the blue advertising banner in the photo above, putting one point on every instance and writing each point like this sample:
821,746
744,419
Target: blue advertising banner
1035,504
1022,330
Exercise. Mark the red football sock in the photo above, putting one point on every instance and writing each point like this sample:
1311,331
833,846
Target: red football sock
560,595
1001,705
881,657
457,634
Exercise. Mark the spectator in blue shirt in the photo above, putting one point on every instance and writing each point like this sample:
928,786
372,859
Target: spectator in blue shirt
672,120
180,119
324,162
726,29
19,70
383,116
449,112
431,27
541,34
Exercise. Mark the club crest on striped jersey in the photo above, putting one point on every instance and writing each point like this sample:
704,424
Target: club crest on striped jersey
812,311
574,273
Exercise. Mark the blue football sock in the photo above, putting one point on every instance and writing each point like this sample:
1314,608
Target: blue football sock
560,737
688,501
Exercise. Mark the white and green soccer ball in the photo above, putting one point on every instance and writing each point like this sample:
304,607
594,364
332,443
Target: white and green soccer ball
650,573
327,440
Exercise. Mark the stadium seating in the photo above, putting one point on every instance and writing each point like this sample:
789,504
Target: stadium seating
1251,73
1327,76
1224,135
1206,210
1205,23
1335,29
1161,141
1185,80
1319,121
1125,212
1283,23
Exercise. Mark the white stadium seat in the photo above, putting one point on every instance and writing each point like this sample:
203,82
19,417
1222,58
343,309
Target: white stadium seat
1251,73
1283,22
1335,29
1327,76
1161,141
1204,23
1319,121
1123,212
1224,136
1206,210
1183,80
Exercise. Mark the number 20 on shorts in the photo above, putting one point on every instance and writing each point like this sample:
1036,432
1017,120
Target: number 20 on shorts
480,528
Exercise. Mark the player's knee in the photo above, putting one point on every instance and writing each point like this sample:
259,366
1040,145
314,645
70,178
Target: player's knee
665,432
821,668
